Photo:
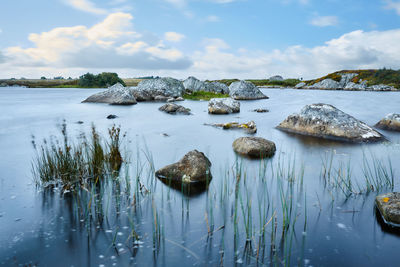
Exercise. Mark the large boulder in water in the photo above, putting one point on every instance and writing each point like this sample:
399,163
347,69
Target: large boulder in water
244,90
389,207
223,106
326,121
114,95
193,167
390,122
167,87
254,147
217,87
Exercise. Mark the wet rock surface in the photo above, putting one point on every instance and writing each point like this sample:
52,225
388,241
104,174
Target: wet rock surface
249,127
326,121
244,90
114,95
389,207
171,108
223,106
194,167
254,147
390,122
112,116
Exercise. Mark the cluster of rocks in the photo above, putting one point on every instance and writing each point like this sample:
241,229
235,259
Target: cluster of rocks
345,83
171,108
170,90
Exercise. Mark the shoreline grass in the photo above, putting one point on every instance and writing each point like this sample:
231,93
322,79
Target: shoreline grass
202,95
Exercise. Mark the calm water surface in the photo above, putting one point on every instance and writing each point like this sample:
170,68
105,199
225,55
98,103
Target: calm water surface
41,227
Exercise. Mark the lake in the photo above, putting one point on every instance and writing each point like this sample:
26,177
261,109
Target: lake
287,210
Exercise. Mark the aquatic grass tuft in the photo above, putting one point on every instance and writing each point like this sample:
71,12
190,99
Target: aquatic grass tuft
73,165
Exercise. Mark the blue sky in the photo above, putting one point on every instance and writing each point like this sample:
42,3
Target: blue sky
205,38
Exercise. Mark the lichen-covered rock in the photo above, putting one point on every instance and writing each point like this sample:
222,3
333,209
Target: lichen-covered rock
193,167
249,127
141,95
244,90
171,108
114,95
223,106
300,85
168,87
325,84
389,207
390,122
346,78
217,87
381,87
326,121
254,147
356,86
192,84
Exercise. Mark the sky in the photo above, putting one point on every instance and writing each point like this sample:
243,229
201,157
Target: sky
208,39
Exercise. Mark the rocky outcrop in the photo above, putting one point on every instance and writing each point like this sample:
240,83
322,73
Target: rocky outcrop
249,127
326,121
171,108
345,83
276,78
192,84
390,122
223,106
389,207
158,89
194,167
244,90
114,95
254,147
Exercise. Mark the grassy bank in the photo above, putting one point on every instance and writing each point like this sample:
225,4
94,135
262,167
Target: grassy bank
202,95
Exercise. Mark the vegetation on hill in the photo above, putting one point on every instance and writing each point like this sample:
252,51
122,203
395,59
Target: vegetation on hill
101,80
371,76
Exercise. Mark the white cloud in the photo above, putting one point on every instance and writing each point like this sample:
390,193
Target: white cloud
111,43
393,5
86,6
212,18
324,21
173,36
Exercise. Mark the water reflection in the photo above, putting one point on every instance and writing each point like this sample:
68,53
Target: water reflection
187,189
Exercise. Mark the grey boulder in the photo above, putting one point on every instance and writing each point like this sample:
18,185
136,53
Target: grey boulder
171,108
326,121
223,106
390,122
166,87
389,207
192,84
244,90
114,95
254,147
194,167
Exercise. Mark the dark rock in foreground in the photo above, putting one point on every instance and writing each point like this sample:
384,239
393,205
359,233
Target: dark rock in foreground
254,147
193,167
390,122
114,95
112,116
389,207
174,109
244,90
223,106
249,127
326,121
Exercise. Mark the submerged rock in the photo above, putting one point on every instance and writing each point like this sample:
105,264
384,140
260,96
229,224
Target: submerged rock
194,167
223,106
171,108
390,122
254,147
326,121
112,116
389,207
261,110
249,127
114,95
244,90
